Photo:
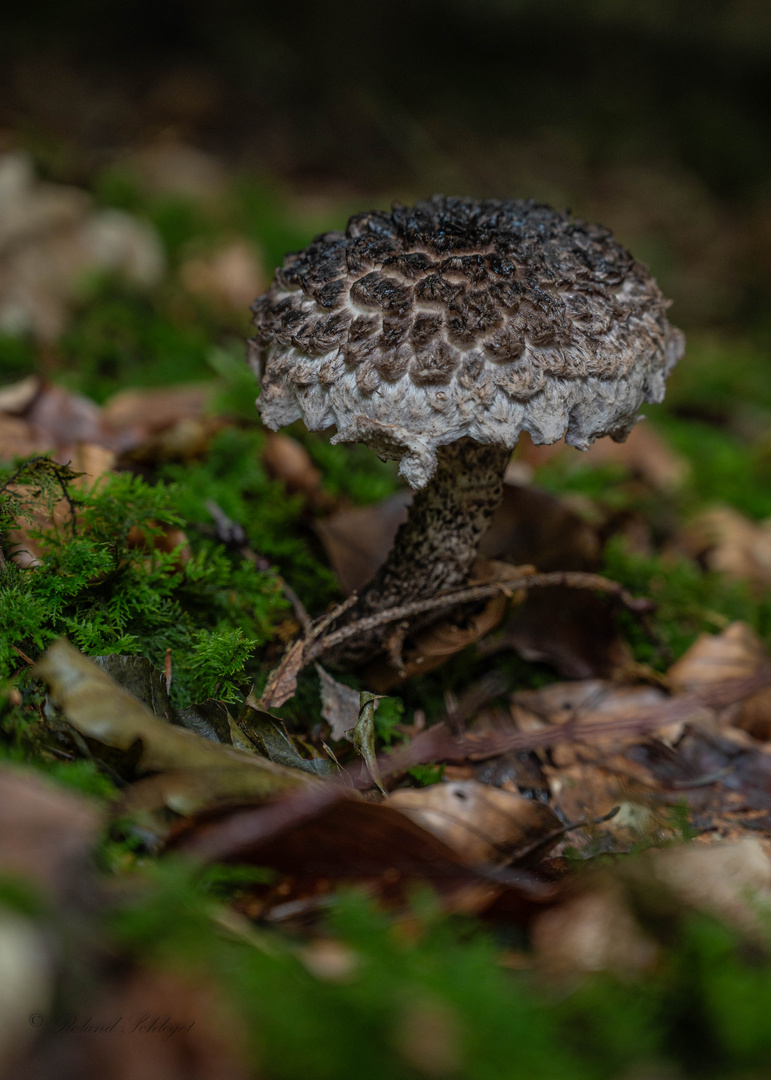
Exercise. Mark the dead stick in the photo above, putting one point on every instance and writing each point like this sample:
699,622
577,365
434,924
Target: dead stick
572,579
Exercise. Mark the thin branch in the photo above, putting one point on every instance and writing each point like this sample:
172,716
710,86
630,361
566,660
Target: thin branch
572,579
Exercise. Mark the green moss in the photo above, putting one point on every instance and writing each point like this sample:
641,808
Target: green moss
122,337
103,583
724,467
232,476
689,601
353,471
18,357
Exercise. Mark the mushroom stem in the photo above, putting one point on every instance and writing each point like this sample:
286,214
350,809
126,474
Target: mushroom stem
436,548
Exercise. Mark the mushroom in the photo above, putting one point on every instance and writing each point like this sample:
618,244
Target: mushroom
436,334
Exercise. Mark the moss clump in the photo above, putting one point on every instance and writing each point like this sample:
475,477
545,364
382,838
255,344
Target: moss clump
104,580
689,601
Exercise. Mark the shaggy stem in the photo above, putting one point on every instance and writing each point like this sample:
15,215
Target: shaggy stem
436,548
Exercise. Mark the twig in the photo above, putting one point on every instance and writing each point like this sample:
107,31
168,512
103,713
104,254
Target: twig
572,579
437,744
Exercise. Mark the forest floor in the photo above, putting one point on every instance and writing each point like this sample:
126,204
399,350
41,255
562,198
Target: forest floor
542,849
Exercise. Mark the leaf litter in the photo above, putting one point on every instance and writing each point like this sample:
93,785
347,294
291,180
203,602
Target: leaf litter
537,782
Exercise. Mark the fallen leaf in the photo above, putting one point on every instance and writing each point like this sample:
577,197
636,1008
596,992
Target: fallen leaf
285,459
595,930
270,737
100,710
572,629
482,823
364,737
340,704
282,681
731,881
230,276
156,408
736,652
330,835
358,540
731,544
17,439
17,397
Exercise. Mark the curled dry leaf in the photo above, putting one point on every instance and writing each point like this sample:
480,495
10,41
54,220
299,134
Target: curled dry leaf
737,652
434,646
730,543
482,823
282,681
364,737
340,704
100,710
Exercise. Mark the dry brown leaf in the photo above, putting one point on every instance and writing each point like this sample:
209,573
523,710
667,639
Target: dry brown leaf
65,419
19,439
154,409
731,881
230,276
564,702
731,544
358,540
287,460
593,931
16,397
340,704
328,835
434,646
736,652
282,681
597,930
754,715
482,823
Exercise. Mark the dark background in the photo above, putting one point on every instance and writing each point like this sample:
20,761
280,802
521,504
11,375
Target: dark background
650,116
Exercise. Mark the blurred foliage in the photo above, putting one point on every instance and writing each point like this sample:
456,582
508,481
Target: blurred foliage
700,1012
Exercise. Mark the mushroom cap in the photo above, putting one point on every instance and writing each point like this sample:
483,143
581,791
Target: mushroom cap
456,318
